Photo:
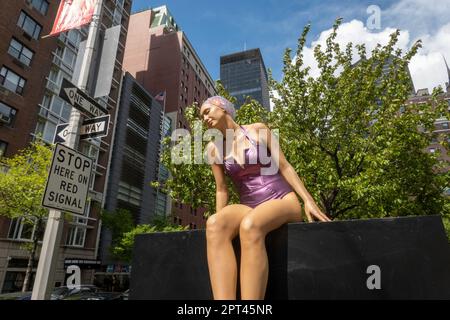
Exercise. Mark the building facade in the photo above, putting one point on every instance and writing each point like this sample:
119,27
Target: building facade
244,74
25,59
162,59
38,114
441,125
135,157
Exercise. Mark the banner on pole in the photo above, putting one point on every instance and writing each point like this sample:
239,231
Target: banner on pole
73,14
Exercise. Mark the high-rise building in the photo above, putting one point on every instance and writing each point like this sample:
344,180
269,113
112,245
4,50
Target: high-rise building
135,157
31,76
244,74
25,59
162,59
162,200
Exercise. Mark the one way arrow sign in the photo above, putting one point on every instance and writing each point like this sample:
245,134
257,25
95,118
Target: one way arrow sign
62,132
80,100
91,128
95,127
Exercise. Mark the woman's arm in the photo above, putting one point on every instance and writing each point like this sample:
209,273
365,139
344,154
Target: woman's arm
221,187
219,176
288,172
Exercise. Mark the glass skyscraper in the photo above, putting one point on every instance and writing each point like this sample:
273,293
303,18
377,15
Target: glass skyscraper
244,74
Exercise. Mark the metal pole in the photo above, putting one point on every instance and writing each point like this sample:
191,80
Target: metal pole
45,274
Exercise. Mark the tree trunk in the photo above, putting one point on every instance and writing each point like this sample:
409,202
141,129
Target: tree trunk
32,258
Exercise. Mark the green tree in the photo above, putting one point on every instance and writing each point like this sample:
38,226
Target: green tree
359,147
124,248
22,184
118,222
349,134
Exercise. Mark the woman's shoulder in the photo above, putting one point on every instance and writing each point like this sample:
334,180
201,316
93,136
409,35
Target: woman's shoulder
255,126
256,131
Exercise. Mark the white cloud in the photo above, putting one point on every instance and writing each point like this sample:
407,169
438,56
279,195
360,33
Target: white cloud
355,32
427,67
420,17
276,96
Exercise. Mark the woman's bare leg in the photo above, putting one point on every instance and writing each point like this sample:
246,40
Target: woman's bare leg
254,227
221,228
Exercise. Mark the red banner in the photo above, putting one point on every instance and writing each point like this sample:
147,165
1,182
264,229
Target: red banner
73,14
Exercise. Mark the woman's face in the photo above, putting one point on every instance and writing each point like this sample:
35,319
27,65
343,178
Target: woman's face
211,114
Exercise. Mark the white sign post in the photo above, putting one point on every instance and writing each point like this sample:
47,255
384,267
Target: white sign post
45,273
68,181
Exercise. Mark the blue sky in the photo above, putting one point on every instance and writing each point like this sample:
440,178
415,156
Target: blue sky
217,28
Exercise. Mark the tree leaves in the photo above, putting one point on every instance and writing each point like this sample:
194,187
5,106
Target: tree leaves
350,134
22,182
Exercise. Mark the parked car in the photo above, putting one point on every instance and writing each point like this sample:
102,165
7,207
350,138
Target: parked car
16,295
125,294
82,292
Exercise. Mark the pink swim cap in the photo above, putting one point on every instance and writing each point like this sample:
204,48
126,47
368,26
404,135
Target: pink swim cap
223,103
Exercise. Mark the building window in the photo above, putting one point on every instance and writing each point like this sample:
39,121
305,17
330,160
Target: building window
74,37
39,5
21,52
192,226
29,25
3,146
77,233
11,80
49,131
19,229
69,58
7,114
14,281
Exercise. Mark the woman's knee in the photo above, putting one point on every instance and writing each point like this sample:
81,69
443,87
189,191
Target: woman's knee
217,227
250,231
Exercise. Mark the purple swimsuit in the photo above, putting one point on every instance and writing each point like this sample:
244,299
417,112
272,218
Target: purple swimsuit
254,188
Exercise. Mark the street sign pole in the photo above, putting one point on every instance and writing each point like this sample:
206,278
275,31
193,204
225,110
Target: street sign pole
45,274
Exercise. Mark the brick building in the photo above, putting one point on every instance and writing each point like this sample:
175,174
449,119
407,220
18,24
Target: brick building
161,58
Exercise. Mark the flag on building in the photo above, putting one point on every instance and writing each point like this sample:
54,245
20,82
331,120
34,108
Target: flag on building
73,14
161,97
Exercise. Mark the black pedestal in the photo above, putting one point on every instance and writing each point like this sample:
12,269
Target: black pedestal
310,261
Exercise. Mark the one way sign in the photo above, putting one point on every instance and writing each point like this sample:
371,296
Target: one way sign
80,100
62,132
95,127
91,128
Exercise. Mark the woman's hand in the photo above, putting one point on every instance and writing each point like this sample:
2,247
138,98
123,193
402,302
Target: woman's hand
313,211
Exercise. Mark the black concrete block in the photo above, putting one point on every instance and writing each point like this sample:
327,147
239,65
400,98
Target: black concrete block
309,261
